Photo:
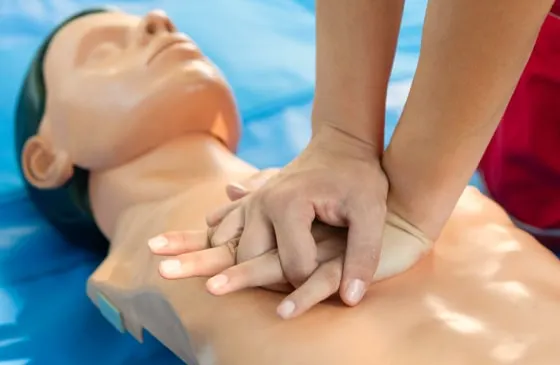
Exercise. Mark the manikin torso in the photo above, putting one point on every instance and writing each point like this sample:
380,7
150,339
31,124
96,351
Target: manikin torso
488,294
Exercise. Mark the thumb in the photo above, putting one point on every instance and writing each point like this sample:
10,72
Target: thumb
239,189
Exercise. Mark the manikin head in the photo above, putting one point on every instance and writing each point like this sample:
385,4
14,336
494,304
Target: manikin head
105,88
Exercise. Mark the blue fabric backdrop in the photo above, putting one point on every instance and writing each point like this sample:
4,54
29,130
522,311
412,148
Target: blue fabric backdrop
266,50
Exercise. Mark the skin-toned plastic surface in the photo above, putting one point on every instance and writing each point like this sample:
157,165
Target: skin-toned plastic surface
143,110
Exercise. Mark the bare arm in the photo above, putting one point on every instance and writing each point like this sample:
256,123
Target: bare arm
472,55
356,42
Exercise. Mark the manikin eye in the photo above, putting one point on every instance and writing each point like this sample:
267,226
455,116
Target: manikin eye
102,53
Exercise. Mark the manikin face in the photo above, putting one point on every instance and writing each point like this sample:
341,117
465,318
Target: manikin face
119,85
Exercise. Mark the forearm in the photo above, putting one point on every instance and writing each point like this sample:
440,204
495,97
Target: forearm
472,55
356,42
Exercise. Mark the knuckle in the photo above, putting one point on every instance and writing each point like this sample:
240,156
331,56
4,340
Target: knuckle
360,209
298,274
232,247
231,227
274,198
211,231
222,237
329,210
285,191
295,277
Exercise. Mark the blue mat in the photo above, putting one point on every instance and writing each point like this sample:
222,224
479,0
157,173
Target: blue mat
266,50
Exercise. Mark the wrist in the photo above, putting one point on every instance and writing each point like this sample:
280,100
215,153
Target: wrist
329,137
356,123
412,197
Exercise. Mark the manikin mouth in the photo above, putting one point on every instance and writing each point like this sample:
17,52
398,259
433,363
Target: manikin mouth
170,43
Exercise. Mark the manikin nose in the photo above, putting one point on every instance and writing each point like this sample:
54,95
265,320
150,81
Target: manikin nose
157,22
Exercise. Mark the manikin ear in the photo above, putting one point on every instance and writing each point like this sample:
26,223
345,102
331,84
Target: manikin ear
44,166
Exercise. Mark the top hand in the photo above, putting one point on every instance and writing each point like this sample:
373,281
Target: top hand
338,180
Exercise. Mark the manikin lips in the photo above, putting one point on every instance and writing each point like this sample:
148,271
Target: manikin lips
169,44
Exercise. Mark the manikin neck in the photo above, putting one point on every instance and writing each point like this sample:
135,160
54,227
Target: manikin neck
162,173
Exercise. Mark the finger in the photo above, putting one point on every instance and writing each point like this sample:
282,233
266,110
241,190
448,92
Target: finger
178,242
323,283
328,249
261,271
237,190
279,288
201,263
230,228
323,233
257,236
365,230
214,218
296,245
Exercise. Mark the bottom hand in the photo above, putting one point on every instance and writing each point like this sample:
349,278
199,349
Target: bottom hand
195,258
403,246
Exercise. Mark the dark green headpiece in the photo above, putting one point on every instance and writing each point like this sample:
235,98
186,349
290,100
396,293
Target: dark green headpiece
66,208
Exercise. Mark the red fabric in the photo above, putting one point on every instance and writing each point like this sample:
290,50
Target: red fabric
521,167
556,7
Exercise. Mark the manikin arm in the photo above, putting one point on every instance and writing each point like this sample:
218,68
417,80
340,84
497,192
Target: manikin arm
473,53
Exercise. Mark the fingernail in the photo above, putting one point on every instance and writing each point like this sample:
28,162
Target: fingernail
171,267
158,242
237,189
355,291
217,281
286,309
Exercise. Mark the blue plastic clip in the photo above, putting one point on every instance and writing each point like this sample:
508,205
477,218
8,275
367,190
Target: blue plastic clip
110,312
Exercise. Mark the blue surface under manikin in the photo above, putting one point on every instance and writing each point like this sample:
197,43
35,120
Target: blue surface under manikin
265,49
